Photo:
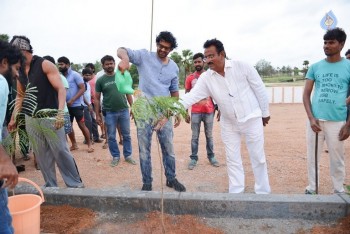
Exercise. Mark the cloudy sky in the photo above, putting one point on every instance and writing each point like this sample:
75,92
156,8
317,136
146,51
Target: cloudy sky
283,32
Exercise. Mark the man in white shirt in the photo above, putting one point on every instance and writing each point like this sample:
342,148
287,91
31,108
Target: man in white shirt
242,99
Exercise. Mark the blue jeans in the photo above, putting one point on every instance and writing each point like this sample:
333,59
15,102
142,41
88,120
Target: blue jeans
122,118
165,137
5,216
207,119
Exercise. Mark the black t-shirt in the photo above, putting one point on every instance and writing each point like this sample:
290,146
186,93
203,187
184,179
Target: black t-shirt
40,94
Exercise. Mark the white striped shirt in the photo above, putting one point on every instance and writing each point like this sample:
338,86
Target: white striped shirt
240,95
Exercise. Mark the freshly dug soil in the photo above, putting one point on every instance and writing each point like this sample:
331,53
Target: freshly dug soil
65,219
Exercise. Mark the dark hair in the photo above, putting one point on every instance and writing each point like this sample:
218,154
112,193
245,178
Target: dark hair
24,38
107,58
49,58
167,37
214,42
335,34
198,55
87,70
64,60
91,66
11,53
347,52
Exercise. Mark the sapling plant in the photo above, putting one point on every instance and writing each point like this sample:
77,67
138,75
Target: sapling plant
152,111
29,106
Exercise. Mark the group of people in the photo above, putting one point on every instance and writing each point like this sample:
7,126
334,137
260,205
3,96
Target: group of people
234,88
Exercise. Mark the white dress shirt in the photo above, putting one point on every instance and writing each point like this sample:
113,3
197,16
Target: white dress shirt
240,94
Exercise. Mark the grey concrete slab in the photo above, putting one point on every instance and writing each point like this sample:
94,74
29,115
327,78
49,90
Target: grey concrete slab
211,205
346,198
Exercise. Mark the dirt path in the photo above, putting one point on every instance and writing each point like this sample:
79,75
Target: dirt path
285,150
286,155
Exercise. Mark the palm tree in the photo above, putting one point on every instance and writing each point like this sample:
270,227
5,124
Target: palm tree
187,61
176,57
306,66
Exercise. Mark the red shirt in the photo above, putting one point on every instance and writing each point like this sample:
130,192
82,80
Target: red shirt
203,106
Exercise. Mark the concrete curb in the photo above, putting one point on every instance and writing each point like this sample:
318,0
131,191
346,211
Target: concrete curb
211,205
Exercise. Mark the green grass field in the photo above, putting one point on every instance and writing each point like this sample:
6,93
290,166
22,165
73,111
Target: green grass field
284,81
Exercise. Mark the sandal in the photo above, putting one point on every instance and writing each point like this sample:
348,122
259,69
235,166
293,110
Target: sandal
73,147
90,150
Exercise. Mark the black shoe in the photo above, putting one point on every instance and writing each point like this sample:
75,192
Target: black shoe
147,187
176,185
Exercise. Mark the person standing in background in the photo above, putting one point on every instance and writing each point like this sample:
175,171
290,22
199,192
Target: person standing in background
75,101
88,110
115,105
347,54
94,125
203,111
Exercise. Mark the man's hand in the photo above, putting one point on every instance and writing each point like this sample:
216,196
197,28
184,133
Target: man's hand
70,102
12,125
59,122
188,118
315,125
123,65
99,119
160,124
265,120
177,120
344,132
8,171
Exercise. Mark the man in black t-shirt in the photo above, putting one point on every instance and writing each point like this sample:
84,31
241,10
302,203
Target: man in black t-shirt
45,91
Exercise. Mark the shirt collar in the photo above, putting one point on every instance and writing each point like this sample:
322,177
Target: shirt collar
69,71
227,65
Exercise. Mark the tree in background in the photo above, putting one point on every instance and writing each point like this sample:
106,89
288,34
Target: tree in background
305,67
296,71
4,37
134,75
76,67
264,68
187,61
286,70
176,57
98,66
184,62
